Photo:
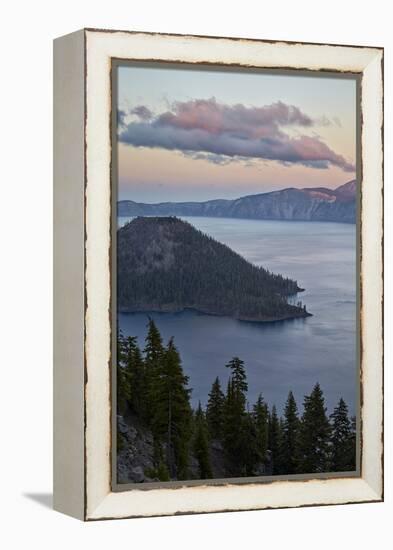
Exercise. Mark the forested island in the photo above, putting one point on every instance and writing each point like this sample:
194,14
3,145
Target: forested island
165,264
160,437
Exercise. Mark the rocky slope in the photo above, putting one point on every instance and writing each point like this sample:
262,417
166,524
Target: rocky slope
135,454
165,264
314,204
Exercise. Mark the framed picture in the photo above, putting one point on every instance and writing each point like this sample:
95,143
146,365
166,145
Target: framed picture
218,274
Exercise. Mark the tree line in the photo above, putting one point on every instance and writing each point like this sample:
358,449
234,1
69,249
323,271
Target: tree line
252,440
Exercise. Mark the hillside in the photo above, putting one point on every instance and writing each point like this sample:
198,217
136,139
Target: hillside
165,264
313,204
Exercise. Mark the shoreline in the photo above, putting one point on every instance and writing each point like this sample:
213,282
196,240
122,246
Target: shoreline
152,310
339,222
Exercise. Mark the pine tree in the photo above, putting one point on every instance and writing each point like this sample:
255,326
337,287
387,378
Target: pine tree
353,442
290,434
201,444
234,417
138,383
314,434
154,352
261,421
123,374
215,410
274,441
343,448
133,371
171,422
248,444
280,464
154,387
154,347
239,380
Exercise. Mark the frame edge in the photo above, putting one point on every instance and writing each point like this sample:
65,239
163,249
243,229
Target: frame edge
112,506
68,290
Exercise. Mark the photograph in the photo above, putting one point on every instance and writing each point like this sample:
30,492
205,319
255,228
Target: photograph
235,213
196,231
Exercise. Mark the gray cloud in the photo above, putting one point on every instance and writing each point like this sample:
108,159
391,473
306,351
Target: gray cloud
214,130
143,112
211,157
121,115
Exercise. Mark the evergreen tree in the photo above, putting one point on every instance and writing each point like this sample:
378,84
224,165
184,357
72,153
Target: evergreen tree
138,383
230,432
123,384
290,434
280,460
172,412
154,347
130,373
343,453
239,380
274,441
154,387
154,352
248,444
261,421
234,417
133,371
353,442
314,434
215,410
201,444
127,384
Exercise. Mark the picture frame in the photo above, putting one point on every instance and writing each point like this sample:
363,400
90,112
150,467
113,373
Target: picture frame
84,249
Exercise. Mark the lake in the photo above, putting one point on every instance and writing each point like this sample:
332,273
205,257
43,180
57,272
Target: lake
285,355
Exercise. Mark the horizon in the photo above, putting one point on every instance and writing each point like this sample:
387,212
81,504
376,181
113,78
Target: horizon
194,135
244,196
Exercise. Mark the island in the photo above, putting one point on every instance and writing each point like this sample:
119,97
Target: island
164,264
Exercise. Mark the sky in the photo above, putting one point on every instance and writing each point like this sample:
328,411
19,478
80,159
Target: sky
188,134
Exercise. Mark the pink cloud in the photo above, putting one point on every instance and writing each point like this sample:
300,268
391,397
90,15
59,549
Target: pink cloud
235,131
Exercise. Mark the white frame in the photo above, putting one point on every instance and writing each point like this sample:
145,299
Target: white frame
82,470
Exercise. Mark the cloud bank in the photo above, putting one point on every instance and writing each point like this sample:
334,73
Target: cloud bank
209,129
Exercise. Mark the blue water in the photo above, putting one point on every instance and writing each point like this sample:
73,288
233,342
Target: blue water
280,356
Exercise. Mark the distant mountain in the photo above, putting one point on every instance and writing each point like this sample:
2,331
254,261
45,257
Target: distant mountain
165,264
314,204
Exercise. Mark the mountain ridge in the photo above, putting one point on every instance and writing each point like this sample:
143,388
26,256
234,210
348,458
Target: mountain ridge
291,204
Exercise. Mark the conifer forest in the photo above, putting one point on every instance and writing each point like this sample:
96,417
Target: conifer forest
161,437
